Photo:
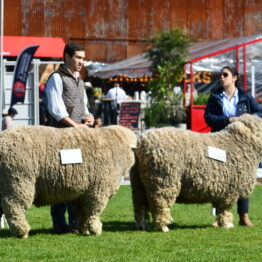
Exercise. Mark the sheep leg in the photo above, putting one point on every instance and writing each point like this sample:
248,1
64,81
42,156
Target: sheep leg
160,203
160,208
162,218
15,209
89,219
93,217
225,218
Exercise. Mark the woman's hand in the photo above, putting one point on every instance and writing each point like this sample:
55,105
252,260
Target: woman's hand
233,119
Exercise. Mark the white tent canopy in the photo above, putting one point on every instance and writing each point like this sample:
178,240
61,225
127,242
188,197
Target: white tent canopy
139,65
132,67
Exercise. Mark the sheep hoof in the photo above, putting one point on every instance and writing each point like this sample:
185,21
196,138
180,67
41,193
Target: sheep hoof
96,228
97,233
164,229
230,225
84,232
23,236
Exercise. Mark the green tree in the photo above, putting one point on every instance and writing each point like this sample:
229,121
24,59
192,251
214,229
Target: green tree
168,56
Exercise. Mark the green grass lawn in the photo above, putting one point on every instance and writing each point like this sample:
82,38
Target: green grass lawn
191,238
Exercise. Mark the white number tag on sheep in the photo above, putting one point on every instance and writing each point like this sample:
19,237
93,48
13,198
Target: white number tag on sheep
217,154
172,167
71,156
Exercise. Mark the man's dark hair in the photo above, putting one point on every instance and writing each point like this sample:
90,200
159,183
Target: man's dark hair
72,47
12,111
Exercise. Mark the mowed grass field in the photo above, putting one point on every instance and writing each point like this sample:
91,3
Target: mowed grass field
191,238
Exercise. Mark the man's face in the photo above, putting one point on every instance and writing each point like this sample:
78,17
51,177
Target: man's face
75,62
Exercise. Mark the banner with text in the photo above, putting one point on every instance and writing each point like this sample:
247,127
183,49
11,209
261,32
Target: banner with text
22,67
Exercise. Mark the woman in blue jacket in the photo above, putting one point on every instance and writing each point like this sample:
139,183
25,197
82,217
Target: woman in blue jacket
224,106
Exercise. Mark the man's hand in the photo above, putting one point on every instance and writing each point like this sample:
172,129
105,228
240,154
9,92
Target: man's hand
69,122
89,120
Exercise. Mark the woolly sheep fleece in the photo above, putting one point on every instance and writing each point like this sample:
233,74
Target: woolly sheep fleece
172,165
31,173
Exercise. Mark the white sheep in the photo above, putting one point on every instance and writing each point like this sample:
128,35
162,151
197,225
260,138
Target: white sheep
175,165
31,171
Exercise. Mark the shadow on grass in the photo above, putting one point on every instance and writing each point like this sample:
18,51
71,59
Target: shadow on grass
177,226
6,233
110,226
116,226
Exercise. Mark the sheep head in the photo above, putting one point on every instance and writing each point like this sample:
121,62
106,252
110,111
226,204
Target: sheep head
249,129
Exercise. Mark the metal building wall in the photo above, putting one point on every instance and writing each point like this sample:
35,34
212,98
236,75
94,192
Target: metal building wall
113,30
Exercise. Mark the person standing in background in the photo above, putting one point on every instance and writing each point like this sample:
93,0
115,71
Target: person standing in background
43,112
7,121
67,106
224,106
118,95
90,96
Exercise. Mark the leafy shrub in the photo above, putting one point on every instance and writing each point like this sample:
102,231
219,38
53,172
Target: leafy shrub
168,55
201,99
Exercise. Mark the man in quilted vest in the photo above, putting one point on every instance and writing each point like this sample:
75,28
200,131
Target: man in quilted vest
67,106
